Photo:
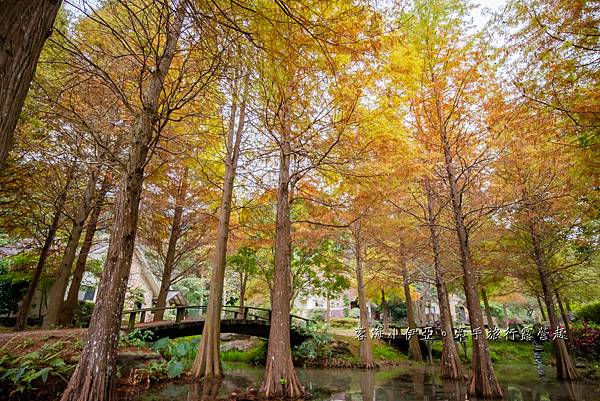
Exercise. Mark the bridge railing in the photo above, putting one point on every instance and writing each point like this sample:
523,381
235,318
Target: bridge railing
227,312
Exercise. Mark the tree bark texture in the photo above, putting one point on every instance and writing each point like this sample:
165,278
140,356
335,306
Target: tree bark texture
565,319
385,311
93,379
450,365
414,349
565,368
165,281
280,379
39,268
208,360
541,308
483,382
24,27
243,285
68,310
366,348
57,291
486,305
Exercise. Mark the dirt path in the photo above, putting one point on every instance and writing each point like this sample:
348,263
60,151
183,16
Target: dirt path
36,336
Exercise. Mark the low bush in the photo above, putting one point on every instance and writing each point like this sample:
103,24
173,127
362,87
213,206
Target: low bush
586,339
255,356
589,312
344,323
136,338
314,348
387,352
317,315
25,373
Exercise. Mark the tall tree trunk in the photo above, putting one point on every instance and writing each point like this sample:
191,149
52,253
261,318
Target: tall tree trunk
505,313
414,349
280,379
93,379
24,27
68,310
39,268
57,291
541,307
366,350
486,304
483,382
165,281
243,283
208,360
327,313
565,319
386,312
565,368
450,365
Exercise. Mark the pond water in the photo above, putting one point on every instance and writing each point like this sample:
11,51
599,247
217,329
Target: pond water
519,383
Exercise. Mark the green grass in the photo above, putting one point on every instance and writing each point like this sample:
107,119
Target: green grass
256,355
386,352
345,323
501,351
233,355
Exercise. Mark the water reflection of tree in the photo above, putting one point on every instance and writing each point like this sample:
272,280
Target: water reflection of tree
205,391
455,390
572,390
367,385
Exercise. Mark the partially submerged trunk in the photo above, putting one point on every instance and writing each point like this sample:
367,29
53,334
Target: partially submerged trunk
414,349
68,310
165,281
208,360
93,379
57,291
280,379
483,382
24,27
488,311
565,368
450,365
366,350
39,268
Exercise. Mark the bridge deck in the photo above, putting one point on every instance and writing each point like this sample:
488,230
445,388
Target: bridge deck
192,327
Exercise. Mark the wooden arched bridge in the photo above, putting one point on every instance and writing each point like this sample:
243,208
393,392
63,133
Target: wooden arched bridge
188,321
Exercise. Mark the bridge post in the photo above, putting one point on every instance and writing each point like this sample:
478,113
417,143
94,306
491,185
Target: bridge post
269,317
245,313
180,314
143,316
131,324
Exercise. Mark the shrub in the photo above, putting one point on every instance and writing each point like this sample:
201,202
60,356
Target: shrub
344,323
317,314
136,338
589,312
83,313
255,356
316,347
354,312
586,341
387,352
23,373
